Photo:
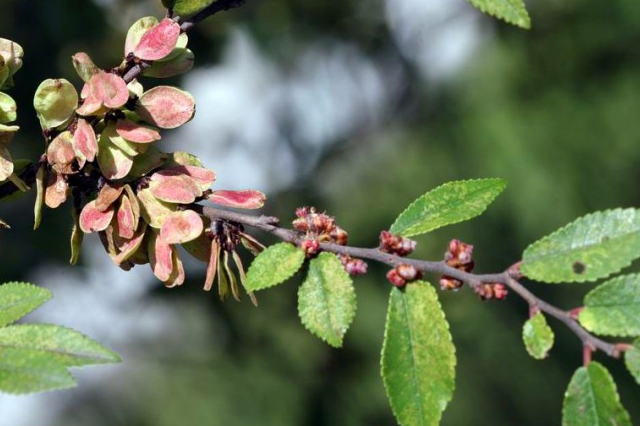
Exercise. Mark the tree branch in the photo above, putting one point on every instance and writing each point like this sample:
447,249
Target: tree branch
270,224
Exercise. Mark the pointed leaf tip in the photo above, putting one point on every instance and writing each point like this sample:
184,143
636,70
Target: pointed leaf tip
510,11
447,204
592,399
18,299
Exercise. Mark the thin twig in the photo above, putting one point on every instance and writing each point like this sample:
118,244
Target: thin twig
269,224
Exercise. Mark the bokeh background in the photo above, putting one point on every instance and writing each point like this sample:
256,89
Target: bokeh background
356,107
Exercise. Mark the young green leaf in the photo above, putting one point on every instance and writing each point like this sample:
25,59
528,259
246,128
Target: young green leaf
591,247
613,308
511,11
418,356
326,299
592,399
273,266
537,336
632,360
67,347
26,371
450,203
18,299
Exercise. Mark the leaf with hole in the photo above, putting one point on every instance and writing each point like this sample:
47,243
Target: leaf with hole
589,248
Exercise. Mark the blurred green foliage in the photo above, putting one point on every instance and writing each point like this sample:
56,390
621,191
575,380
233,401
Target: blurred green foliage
552,110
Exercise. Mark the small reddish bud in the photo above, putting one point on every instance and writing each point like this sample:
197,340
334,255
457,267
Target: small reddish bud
395,244
395,278
339,236
301,225
311,247
408,272
491,291
449,283
303,212
353,266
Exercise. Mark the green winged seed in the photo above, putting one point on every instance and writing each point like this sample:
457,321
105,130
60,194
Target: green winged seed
537,336
67,346
179,64
418,356
632,360
25,371
589,248
327,299
450,203
613,308
8,109
592,399
189,7
274,265
511,11
55,102
18,299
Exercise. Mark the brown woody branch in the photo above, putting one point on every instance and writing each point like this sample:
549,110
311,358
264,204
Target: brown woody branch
509,277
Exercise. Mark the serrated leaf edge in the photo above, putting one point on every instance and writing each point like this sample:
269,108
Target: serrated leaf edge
249,288
557,231
526,24
417,200
116,357
348,324
384,344
526,343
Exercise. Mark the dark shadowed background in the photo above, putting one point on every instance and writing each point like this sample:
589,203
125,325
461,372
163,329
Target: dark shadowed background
356,107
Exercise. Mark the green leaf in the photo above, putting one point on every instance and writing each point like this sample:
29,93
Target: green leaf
273,266
66,346
326,299
511,11
592,399
418,356
189,7
537,336
26,371
18,299
613,308
591,247
632,360
450,203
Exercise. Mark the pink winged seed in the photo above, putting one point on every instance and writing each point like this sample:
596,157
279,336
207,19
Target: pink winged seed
243,199
136,132
203,177
166,107
181,227
160,258
173,187
85,140
92,219
158,41
125,218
